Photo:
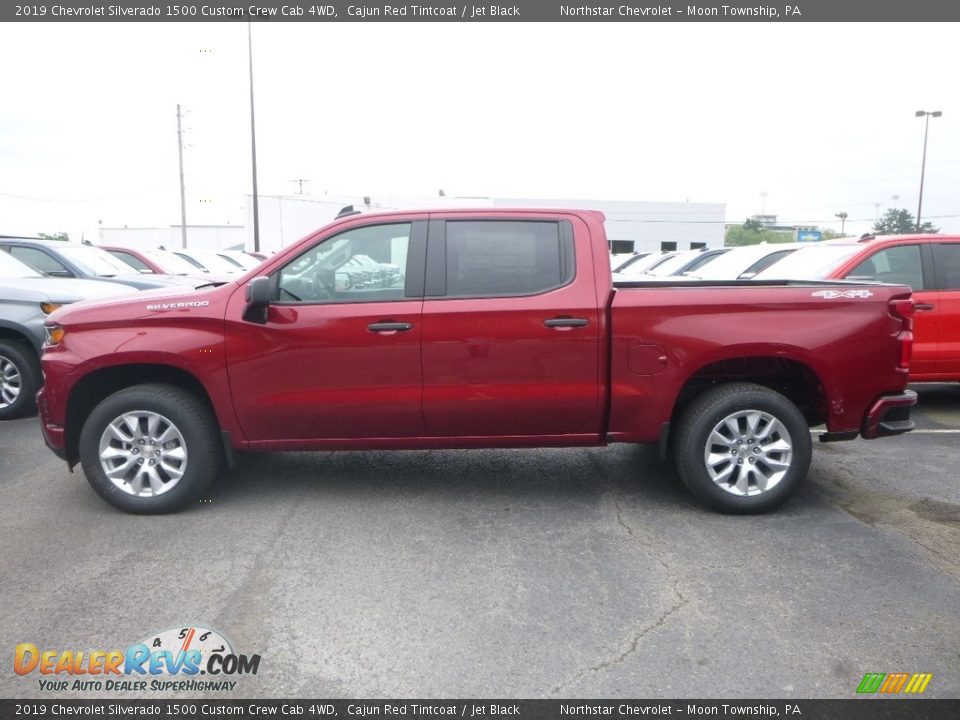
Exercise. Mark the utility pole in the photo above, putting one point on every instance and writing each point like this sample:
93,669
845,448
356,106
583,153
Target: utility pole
300,181
253,146
183,189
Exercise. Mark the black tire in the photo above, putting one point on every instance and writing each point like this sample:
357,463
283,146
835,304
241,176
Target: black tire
198,436
742,403
23,379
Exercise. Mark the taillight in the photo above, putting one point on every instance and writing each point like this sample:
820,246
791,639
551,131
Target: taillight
903,310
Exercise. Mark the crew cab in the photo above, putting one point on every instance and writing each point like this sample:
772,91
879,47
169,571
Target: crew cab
504,330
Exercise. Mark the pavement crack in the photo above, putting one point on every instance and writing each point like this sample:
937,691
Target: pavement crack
631,647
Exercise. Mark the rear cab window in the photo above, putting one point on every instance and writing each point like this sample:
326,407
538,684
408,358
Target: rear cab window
500,258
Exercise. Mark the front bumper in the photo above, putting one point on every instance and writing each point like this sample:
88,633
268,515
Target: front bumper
54,435
889,415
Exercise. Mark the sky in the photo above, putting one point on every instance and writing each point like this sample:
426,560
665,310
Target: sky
803,120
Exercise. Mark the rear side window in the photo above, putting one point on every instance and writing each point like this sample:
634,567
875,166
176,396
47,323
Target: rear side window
900,265
497,258
946,258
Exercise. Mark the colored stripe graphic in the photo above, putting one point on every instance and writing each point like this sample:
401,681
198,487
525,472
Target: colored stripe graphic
893,683
918,683
871,683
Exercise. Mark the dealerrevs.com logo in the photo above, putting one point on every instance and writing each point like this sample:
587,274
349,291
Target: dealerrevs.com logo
168,661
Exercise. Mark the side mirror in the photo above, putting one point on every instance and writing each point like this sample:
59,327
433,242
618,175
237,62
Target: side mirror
259,294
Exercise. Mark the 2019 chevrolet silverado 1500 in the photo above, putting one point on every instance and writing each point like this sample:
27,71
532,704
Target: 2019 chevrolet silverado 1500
503,330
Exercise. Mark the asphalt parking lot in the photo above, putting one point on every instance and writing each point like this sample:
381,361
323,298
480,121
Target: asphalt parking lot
520,574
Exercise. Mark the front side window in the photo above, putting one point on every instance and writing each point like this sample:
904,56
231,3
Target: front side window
899,265
364,264
39,260
498,258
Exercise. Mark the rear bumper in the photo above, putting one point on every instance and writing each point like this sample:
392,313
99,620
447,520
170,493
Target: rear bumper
889,415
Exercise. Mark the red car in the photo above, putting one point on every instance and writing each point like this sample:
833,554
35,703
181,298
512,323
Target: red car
929,264
160,262
505,331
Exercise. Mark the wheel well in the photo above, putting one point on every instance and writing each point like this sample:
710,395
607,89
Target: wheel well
791,378
98,385
17,336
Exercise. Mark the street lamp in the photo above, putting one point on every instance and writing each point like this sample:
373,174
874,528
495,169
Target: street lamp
923,165
843,221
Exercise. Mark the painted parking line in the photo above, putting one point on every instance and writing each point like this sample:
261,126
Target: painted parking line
930,431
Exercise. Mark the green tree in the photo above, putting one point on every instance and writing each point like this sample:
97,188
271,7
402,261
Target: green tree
900,222
753,233
62,236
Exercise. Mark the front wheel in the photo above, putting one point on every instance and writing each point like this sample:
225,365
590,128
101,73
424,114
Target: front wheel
150,449
19,379
742,448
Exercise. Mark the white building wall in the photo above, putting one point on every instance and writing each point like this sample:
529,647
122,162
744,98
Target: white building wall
647,224
288,218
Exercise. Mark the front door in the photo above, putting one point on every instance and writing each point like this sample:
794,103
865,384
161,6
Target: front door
339,353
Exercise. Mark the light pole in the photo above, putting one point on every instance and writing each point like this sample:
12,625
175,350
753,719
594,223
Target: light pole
843,221
253,146
923,165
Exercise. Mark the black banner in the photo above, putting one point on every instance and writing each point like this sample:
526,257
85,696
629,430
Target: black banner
506,11
853,709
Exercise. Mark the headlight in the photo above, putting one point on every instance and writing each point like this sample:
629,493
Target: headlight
50,307
54,334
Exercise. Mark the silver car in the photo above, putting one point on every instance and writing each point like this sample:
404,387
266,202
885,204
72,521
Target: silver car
26,298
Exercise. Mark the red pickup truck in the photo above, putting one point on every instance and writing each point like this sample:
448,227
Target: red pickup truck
499,328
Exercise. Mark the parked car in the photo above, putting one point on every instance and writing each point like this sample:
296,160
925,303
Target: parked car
26,298
639,264
508,332
684,262
161,262
930,264
243,260
65,259
208,261
742,263
617,260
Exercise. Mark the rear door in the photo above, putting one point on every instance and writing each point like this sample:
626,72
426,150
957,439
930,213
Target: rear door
511,328
946,263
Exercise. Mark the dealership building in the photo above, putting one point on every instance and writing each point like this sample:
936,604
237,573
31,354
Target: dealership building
284,219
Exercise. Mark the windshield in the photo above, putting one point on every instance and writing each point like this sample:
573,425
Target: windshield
241,259
810,263
94,261
642,264
730,265
170,264
10,267
669,267
212,262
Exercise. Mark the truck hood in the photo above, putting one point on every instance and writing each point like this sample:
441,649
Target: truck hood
59,290
138,304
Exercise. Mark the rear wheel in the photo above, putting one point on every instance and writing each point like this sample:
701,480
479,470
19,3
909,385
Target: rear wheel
19,379
150,449
742,448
